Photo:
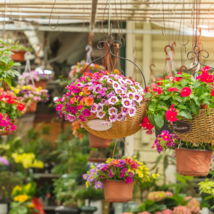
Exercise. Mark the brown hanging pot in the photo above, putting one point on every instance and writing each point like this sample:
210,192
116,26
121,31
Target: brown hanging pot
97,142
32,107
18,56
41,84
118,191
193,162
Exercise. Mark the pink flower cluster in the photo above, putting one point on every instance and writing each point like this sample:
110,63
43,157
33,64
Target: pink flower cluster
181,210
193,205
5,124
106,95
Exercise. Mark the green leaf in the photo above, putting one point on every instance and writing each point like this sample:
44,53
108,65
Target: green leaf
166,97
193,107
17,64
185,114
5,59
196,101
10,41
179,99
178,198
159,120
148,95
4,43
8,81
158,160
196,84
151,119
152,106
203,96
211,105
184,82
208,197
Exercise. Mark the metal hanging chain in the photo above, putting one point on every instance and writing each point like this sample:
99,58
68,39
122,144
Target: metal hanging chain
53,28
109,20
163,28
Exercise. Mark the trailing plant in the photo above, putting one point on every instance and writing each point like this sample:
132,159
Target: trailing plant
6,64
177,97
23,48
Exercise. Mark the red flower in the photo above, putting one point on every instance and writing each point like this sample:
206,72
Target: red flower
168,76
157,89
20,106
146,124
178,78
173,89
10,101
159,81
205,76
212,92
186,91
171,116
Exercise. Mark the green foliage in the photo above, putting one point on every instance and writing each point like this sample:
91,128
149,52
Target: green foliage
6,64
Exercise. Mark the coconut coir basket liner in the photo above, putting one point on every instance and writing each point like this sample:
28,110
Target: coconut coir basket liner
202,128
120,129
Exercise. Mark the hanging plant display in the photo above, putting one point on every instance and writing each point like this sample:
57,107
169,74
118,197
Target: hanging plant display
38,78
19,53
186,104
118,177
107,104
78,69
197,156
11,108
30,95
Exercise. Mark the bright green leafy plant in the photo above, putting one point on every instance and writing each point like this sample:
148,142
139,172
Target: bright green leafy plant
6,64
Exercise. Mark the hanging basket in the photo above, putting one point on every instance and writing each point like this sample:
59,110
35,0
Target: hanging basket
119,129
41,84
118,191
32,107
97,142
193,162
200,128
18,56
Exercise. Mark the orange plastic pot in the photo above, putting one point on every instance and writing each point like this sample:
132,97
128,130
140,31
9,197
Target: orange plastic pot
41,84
97,142
18,56
32,107
193,162
118,191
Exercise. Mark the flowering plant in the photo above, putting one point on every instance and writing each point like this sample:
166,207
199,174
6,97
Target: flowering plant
6,125
78,69
166,141
22,199
29,93
125,169
78,131
105,95
160,202
10,105
29,77
28,160
177,97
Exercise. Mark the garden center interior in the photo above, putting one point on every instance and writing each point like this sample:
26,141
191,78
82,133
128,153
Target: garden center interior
106,107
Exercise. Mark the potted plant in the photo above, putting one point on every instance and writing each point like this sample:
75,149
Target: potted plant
6,63
117,177
11,108
64,190
22,199
19,52
168,203
78,70
186,104
197,156
104,102
90,194
30,95
8,181
39,78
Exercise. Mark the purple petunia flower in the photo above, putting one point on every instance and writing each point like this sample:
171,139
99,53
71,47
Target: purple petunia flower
112,110
124,110
94,108
120,117
100,107
122,175
159,148
113,100
91,178
127,103
97,88
138,98
98,185
132,112
82,118
110,174
130,95
115,85
4,161
131,174
73,110
124,170
100,114
122,162
113,117
119,91
86,112
85,176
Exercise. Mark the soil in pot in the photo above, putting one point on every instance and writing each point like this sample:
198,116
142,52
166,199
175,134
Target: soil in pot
97,142
41,84
118,191
193,162
18,56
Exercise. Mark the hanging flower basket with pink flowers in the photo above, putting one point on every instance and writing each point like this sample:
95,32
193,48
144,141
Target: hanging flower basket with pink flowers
186,104
107,104
117,177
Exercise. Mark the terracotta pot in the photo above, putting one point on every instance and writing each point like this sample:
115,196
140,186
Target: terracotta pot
18,56
41,84
97,160
118,191
32,107
97,142
203,106
193,162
